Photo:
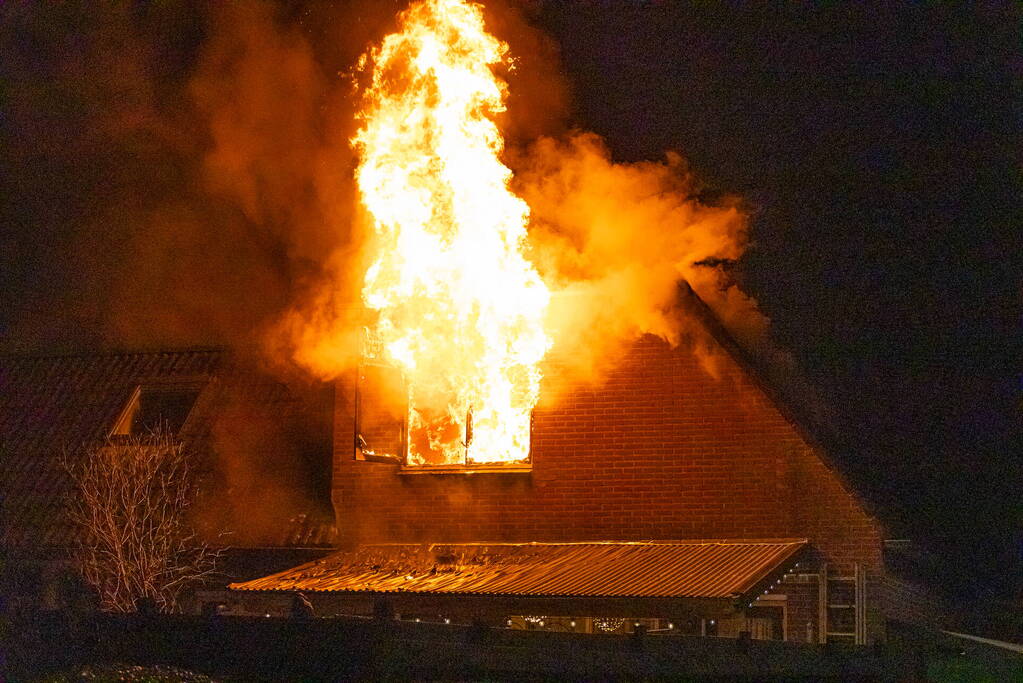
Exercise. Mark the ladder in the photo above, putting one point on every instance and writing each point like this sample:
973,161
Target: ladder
842,609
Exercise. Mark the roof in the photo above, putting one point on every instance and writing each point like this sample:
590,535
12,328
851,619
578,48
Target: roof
50,405
48,402
649,569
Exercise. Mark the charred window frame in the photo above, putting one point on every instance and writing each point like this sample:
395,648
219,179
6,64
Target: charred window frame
381,426
382,419
381,414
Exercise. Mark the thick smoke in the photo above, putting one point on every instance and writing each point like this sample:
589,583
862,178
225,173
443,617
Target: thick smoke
181,175
614,240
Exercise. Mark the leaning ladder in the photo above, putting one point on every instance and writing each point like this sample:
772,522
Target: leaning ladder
842,607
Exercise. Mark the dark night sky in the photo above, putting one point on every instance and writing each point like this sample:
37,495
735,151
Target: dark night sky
878,147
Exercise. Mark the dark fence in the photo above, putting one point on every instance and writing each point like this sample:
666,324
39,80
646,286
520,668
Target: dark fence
350,648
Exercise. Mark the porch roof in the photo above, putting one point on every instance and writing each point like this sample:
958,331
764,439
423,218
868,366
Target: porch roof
719,569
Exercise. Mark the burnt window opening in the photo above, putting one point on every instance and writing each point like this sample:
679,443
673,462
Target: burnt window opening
152,409
385,431
381,414
391,425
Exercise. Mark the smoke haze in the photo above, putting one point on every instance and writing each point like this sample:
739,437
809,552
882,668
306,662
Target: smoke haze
185,177
183,169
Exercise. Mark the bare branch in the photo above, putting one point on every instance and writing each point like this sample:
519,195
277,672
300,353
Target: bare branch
130,504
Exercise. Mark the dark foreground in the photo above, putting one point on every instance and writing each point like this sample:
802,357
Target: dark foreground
254,648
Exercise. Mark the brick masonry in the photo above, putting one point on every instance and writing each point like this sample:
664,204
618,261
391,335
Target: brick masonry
659,450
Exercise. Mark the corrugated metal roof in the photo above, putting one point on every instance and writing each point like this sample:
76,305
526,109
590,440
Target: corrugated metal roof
656,569
53,404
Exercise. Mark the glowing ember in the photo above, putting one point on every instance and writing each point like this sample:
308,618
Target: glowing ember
460,309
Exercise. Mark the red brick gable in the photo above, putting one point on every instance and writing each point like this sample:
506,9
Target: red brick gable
660,450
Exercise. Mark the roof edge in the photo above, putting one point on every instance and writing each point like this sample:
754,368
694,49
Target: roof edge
693,303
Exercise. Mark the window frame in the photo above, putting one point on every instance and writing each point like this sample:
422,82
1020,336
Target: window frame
404,468
359,441
123,425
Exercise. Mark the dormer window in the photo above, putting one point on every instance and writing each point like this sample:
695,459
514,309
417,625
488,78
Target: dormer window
156,408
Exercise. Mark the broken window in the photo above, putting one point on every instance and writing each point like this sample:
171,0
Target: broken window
381,414
156,408
390,428
422,427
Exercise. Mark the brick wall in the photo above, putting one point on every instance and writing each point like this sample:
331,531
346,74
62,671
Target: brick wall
660,450
801,591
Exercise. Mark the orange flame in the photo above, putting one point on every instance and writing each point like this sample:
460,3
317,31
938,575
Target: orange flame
459,307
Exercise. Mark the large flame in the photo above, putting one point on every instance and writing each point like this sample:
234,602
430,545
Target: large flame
459,307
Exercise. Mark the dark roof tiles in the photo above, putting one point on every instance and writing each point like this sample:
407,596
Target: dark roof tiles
50,405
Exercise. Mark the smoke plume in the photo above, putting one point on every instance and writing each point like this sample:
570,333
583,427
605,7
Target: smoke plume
614,240
181,175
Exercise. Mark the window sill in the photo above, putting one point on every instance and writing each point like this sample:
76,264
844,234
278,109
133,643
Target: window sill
366,457
481,468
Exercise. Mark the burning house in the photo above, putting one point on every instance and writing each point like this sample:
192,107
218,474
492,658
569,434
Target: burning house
479,476
665,497
476,473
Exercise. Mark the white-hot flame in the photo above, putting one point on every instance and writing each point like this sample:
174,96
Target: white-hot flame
459,308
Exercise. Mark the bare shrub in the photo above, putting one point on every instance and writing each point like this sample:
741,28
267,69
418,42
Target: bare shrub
130,503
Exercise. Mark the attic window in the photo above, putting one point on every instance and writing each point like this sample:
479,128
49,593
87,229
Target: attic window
156,408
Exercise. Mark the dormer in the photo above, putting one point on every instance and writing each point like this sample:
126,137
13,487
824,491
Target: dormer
156,407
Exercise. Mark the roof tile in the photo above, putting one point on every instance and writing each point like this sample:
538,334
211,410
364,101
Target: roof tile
51,404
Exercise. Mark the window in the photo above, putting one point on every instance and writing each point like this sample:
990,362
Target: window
153,408
387,428
381,412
